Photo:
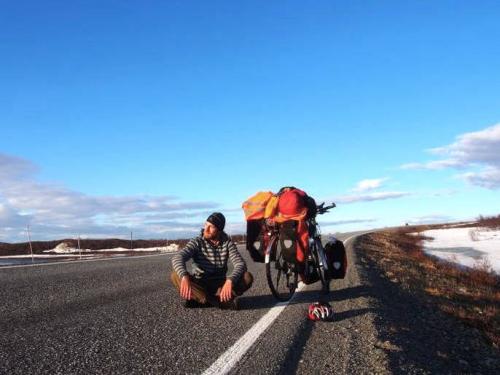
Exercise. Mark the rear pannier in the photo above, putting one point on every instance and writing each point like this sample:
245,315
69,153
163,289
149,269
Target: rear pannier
289,209
292,207
256,241
337,258
288,240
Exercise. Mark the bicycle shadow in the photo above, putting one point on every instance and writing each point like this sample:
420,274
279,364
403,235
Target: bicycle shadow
303,297
296,349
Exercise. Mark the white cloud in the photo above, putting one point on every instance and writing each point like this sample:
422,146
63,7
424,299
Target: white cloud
10,218
430,219
441,193
369,184
488,178
371,196
14,167
476,147
344,222
54,211
364,192
434,165
479,151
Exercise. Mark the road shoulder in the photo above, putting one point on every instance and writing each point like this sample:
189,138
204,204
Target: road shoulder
415,335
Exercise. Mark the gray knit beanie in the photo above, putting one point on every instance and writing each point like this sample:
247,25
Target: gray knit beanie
218,220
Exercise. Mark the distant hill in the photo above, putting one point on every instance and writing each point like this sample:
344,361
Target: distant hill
92,244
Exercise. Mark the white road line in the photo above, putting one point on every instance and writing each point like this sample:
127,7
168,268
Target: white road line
228,360
230,357
52,263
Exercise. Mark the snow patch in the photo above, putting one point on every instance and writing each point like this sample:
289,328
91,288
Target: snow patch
64,251
64,248
469,247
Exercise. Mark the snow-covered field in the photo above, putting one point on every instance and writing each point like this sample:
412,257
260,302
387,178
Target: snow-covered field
466,246
63,248
67,252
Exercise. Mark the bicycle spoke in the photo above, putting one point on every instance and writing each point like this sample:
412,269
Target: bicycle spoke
278,276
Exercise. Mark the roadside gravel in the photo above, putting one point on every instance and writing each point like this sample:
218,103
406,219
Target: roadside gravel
415,335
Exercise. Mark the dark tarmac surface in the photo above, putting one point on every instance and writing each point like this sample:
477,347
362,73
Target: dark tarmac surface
123,316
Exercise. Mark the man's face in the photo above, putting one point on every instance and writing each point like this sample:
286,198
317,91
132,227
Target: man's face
210,231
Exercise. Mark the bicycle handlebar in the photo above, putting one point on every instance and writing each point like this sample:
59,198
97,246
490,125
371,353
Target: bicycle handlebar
322,209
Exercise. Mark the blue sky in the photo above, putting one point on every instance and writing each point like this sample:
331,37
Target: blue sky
147,116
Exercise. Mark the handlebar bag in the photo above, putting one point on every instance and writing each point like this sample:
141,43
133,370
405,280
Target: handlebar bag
337,258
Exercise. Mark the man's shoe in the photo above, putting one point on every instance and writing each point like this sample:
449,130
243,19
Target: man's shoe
191,304
230,305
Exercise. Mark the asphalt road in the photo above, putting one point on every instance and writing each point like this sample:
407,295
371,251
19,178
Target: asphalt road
123,316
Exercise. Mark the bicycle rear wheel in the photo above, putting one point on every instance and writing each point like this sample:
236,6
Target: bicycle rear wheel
282,276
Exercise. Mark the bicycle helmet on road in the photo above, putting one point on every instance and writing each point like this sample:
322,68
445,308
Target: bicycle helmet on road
320,311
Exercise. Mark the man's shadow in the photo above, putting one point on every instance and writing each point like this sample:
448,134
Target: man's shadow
308,296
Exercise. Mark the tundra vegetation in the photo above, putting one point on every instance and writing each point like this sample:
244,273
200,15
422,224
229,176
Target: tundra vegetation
471,295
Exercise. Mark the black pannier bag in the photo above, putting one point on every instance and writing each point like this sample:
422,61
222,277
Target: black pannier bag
310,274
288,240
336,257
255,240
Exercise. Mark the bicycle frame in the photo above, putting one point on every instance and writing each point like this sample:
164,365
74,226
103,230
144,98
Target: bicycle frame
316,254
273,238
315,240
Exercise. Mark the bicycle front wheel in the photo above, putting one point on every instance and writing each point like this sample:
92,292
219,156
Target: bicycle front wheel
282,276
318,263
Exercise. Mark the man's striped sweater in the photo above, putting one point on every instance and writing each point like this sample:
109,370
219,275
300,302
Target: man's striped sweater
211,261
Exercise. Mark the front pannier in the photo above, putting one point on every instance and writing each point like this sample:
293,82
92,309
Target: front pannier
337,258
310,274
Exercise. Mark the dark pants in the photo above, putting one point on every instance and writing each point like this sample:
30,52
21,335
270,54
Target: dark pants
207,290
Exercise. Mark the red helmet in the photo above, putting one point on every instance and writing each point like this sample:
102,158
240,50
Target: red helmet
320,311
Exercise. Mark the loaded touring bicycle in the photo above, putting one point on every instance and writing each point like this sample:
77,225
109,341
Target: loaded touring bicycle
282,232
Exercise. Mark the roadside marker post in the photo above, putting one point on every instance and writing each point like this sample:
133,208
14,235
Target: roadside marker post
79,248
31,247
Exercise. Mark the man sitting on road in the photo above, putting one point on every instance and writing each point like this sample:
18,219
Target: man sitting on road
210,283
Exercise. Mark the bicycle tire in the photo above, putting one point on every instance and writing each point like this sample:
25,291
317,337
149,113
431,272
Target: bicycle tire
322,273
282,277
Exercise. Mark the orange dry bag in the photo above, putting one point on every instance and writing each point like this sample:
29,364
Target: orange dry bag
255,206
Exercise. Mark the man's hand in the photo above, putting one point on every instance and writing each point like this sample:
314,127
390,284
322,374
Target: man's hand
226,293
185,287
